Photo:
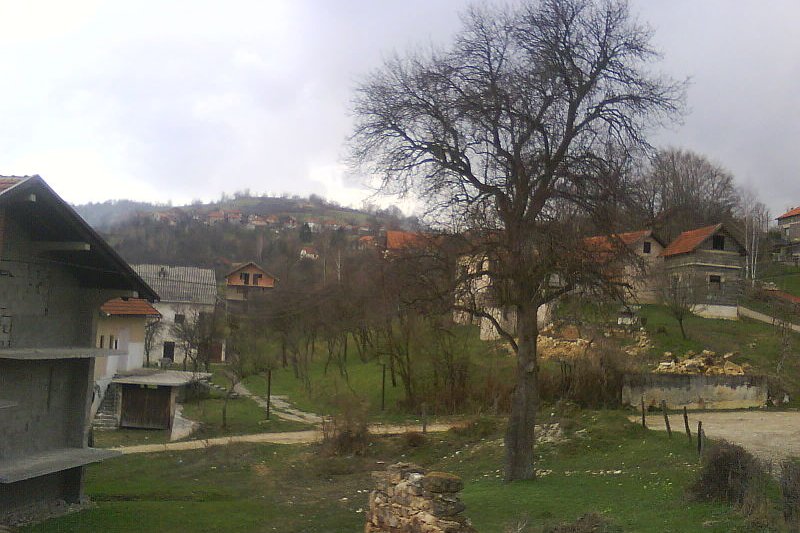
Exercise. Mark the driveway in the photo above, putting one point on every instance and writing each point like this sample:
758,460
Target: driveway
773,436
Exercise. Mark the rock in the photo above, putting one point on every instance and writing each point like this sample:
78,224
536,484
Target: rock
442,482
416,503
732,369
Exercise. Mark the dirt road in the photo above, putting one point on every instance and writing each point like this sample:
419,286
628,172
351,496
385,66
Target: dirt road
774,436
288,437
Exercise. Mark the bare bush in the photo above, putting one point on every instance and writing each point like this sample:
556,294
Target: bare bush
346,432
790,491
729,474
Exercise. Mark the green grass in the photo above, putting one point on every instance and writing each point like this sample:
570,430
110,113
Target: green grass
129,437
244,417
786,277
364,379
290,489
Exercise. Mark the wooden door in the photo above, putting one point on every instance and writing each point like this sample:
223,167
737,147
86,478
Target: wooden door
146,406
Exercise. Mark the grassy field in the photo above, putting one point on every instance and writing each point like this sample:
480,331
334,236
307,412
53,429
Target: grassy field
364,379
244,417
633,477
786,277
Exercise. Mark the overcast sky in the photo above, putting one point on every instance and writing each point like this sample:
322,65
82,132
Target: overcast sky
159,100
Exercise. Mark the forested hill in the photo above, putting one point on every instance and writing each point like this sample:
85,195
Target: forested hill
235,229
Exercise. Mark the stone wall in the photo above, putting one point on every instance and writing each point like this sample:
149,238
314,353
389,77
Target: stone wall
407,500
694,391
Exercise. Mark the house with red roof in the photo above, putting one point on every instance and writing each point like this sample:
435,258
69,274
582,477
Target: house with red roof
636,258
121,326
709,262
789,225
247,280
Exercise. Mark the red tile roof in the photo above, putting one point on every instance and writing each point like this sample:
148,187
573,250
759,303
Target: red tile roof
6,182
791,213
605,243
398,240
688,241
129,307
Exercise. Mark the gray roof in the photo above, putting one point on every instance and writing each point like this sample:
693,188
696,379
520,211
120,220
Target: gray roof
180,284
47,217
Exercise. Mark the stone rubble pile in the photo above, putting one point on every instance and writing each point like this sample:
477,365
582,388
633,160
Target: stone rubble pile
407,500
706,362
640,346
553,348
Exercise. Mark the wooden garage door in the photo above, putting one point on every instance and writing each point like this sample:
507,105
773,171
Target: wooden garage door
145,407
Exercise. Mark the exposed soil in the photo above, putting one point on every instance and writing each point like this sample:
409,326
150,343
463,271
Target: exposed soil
770,435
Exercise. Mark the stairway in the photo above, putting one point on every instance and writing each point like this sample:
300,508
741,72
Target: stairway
106,416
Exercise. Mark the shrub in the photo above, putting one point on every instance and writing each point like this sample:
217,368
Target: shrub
790,490
346,432
479,428
414,439
729,474
593,381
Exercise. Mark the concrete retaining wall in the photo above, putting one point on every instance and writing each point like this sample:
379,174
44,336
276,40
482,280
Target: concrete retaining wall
695,391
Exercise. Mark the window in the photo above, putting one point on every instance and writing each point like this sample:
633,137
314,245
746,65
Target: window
169,350
646,247
245,277
256,278
180,318
718,242
111,342
715,283
102,341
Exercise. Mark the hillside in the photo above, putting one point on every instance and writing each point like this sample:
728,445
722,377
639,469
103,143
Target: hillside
215,235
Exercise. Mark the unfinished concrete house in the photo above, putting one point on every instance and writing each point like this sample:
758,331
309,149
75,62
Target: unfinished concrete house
55,273
708,263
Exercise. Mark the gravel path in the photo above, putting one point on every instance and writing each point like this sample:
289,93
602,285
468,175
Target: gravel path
771,435
287,437
280,407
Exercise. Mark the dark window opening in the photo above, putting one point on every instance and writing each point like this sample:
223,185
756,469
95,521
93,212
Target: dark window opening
718,242
256,278
245,277
102,341
169,350
647,246
715,282
180,318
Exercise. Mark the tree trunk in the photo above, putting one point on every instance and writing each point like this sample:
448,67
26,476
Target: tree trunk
683,331
520,438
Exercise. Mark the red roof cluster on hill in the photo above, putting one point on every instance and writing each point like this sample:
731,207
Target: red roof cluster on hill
791,213
129,307
688,241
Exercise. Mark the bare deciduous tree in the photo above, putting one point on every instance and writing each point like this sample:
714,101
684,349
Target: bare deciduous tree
683,190
520,124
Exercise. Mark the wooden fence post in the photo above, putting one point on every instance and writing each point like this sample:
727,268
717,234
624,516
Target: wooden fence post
666,417
686,423
644,423
699,437
269,390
